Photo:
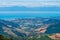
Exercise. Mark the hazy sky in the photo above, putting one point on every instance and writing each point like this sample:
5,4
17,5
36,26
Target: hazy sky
29,3
30,0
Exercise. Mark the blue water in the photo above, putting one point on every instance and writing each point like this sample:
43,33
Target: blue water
23,14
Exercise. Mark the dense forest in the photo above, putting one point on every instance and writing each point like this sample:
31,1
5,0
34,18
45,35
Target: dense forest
43,37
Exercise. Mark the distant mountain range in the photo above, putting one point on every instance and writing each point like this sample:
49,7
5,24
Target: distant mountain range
22,8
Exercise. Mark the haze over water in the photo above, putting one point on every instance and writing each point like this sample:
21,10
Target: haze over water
23,14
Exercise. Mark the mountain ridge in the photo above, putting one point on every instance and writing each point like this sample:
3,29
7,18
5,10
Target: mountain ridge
22,8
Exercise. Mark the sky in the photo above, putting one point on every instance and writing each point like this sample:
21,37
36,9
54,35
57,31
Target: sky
29,3
10,6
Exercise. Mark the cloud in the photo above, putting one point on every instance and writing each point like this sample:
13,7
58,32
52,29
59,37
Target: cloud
29,4
28,0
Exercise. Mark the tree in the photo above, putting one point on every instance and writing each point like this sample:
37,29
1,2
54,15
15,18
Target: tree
3,38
